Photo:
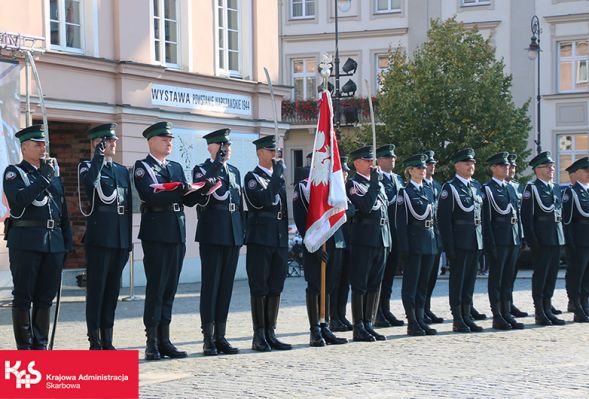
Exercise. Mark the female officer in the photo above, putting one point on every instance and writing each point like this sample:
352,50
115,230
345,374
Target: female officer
417,242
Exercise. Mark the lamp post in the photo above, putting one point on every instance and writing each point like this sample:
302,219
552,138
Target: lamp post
533,53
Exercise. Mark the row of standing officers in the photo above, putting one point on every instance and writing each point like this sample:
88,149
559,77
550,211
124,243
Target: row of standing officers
391,222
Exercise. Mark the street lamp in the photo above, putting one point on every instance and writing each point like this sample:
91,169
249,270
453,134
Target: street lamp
533,53
344,5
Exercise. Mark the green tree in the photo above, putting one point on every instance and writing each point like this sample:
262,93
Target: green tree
451,94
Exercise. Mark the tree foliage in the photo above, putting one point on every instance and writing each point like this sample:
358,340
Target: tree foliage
451,94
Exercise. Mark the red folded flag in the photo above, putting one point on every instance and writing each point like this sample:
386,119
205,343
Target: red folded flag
157,187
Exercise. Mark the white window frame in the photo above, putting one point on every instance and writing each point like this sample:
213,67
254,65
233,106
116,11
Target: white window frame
221,69
574,152
475,3
304,13
389,10
576,62
378,70
303,75
62,28
162,39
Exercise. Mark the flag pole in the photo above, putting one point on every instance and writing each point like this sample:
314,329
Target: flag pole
322,304
371,120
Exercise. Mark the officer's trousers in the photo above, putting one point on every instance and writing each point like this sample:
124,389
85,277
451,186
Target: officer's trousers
35,277
103,282
545,271
463,274
341,290
266,269
501,271
218,264
577,277
432,280
367,268
415,281
163,263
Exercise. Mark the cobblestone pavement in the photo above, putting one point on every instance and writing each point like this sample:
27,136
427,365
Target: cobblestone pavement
535,362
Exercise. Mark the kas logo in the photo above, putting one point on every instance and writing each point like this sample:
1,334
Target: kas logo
22,377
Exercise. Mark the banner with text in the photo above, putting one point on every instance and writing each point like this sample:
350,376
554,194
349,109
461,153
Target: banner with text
70,374
201,100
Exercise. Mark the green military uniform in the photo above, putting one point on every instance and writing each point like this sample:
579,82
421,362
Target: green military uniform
220,233
108,237
576,227
38,236
541,214
267,246
502,239
418,245
459,221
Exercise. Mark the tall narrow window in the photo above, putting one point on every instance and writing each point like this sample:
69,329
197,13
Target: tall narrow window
65,24
387,6
572,66
304,78
165,32
570,148
300,9
382,66
228,38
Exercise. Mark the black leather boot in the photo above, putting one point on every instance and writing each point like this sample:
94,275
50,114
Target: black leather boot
208,342
360,333
328,335
165,346
413,327
335,323
505,312
272,307
385,306
106,339
315,338
539,314
550,315
571,306
341,311
21,324
515,312
458,324
580,316
41,318
370,308
499,322
259,342
585,304
420,320
476,315
151,346
94,339
223,346
553,310
432,316
466,316
379,320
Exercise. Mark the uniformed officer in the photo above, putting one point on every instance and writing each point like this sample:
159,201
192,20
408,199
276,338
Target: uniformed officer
434,185
220,233
418,244
512,158
570,306
459,221
502,239
370,242
163,237
267,243
321,334
38,234
576,227
542,222
341,292
386,159
108,237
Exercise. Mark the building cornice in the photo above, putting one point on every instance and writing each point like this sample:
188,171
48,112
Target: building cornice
345,35
554,19
567,96
482,24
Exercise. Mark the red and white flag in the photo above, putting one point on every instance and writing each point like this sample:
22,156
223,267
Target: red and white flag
327,192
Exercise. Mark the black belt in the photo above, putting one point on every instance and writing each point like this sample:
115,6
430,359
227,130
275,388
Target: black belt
48,224
505,219
174,207
231,207
119,209
381,221
272,215
553,219
427,223
474,222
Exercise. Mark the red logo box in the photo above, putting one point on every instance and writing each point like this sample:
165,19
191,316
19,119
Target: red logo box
69,374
